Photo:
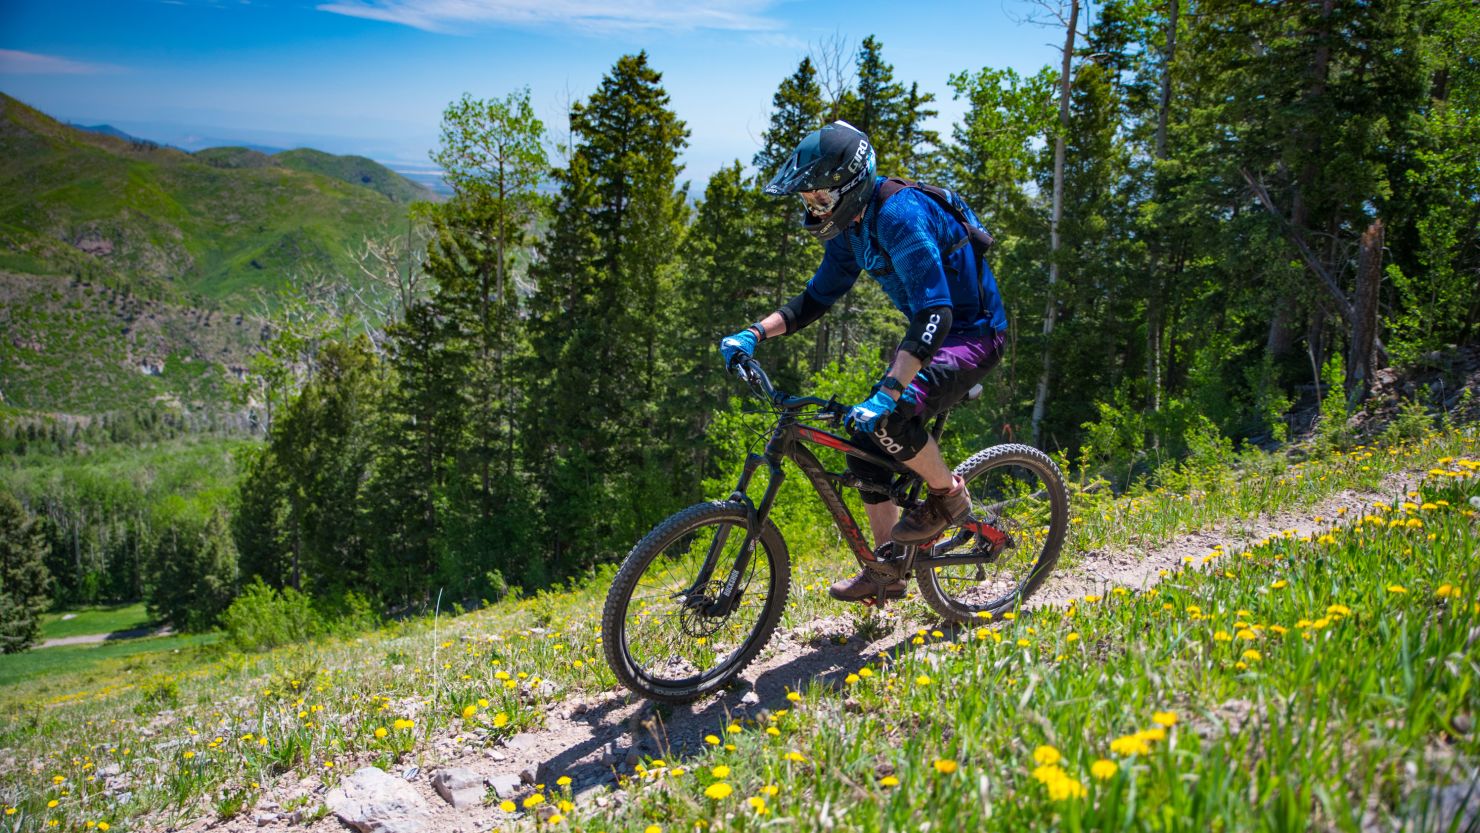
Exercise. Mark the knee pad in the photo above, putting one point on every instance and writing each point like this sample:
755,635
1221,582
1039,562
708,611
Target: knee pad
901,436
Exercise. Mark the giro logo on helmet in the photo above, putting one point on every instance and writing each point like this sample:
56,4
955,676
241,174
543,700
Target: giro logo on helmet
858,157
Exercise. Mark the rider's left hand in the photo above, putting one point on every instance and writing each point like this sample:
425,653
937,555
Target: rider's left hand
866,415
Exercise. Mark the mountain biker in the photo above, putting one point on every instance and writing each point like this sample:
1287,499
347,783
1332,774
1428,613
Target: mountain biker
913,246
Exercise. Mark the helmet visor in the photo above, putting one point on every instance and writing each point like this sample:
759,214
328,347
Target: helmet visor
821,203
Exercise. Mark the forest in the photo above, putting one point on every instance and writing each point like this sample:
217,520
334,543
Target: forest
1209,214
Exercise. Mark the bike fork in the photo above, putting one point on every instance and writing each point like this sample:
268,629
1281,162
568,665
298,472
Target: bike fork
730,592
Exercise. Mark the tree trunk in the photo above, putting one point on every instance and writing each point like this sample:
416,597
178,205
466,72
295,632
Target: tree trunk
1154,326
1050,311
1361,359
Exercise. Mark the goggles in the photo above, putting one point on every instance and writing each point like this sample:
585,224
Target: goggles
821,203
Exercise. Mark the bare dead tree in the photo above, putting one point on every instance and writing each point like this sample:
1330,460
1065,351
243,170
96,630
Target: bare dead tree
833,57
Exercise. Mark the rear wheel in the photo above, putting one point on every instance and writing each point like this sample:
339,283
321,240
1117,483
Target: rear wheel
660,631
1019,492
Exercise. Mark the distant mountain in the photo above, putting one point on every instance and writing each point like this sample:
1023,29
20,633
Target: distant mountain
216,225
130,272
110,130
356,170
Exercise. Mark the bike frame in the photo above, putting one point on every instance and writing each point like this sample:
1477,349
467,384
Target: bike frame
788,441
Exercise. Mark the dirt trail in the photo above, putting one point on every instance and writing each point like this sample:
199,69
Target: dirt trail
588,740
90,638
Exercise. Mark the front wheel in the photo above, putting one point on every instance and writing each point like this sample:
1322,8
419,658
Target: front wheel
661,632
1019,492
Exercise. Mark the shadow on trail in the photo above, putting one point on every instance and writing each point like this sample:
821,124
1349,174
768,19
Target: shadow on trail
626,729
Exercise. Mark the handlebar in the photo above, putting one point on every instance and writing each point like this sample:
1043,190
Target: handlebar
754,375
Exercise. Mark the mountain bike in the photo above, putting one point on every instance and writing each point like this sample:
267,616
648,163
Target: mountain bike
698,597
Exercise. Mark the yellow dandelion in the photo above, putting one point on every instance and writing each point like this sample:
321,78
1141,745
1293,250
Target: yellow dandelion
507,806
1046,755
1167,719
720,771
534,801
923,679
945,766
469,711
1104,769
1397,589
888,781
794,697
718,791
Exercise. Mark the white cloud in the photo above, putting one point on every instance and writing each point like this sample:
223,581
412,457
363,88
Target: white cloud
15,62
590,15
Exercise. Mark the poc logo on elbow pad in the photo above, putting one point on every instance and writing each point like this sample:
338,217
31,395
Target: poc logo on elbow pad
929,335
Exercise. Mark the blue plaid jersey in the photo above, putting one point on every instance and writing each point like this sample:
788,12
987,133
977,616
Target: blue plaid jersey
913,230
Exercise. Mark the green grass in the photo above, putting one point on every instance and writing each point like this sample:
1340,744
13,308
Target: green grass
109,619
97,661
1353,709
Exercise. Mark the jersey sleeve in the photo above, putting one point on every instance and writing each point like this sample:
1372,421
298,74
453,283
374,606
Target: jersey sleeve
906,233
837,273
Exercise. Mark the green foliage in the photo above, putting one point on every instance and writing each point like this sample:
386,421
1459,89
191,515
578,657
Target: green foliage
24,578
262,618
1333,429
194,573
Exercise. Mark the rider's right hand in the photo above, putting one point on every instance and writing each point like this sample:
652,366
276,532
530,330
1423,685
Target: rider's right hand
738,347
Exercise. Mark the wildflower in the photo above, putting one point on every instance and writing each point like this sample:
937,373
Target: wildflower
718,791
556,819
507,806
1279,585
770,790
1065,788
796,757
103,826
720,771
402,723
564,780
51,805
757,804
469,711
1046,755
923,679
733,728
534,801
1447,590
888,781
1130,745
1104,769
1071,637
1222,636
653,828
1167,719
1397,589
982,614
500,720
1252,655
945,766
865,672
851,679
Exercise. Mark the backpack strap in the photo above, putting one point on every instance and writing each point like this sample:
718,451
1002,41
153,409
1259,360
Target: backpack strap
980,240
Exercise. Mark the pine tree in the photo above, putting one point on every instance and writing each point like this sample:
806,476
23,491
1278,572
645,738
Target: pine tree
24,579
789,256
600,287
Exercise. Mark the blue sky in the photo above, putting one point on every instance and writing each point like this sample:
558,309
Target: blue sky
372,76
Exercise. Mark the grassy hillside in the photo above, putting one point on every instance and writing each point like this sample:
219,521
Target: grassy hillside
83,348
1310,678
356,170
173,225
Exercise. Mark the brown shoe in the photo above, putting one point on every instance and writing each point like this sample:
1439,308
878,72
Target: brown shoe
861,588
927,521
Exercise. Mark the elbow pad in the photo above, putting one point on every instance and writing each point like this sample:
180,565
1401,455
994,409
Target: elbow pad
801,311
927,330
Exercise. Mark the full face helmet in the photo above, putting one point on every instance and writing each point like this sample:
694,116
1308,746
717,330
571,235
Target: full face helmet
833,170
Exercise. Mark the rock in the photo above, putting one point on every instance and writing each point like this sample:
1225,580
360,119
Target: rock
505,785
496,755
373,801
527,776
633,756
264,819
750,698
519,742
459,786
